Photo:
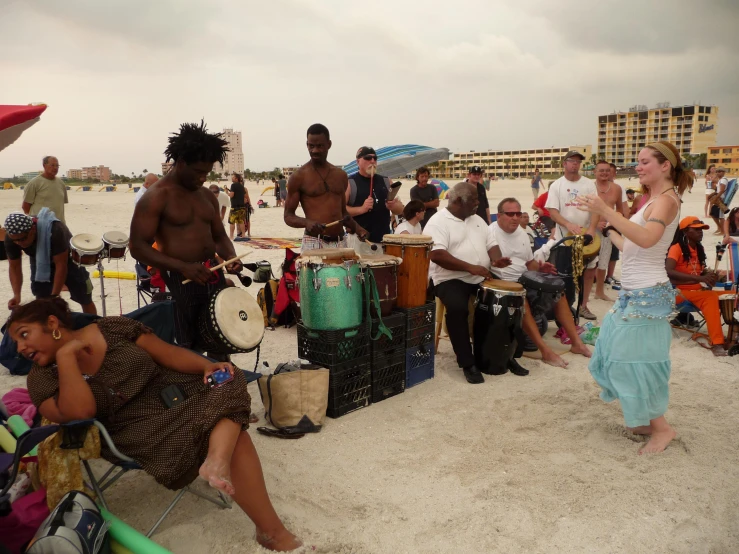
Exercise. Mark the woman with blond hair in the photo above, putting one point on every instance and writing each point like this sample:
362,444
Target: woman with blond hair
631,361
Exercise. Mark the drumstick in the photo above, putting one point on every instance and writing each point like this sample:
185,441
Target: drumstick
219,266
373,246
342,220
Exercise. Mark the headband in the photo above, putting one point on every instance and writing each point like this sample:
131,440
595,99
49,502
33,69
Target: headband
17,224
665,151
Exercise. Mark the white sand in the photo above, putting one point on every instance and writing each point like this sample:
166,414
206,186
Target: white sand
536,464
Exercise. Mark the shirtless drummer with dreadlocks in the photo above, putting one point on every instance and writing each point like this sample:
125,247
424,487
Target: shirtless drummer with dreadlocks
183,217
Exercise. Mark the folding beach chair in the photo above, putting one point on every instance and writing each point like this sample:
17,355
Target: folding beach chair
686,307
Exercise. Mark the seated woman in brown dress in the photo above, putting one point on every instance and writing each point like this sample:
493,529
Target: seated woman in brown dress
115,370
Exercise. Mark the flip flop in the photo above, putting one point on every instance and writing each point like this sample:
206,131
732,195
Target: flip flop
280,433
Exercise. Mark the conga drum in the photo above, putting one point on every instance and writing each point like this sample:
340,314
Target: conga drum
499,309
233,323
413,273
384,268
727,304
331,288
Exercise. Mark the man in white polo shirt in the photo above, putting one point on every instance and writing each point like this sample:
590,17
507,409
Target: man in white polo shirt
563,210
514,245
460,259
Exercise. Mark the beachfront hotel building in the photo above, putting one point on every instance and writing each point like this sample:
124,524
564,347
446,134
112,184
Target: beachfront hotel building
726,156
502,163
234,162
74,174
692,129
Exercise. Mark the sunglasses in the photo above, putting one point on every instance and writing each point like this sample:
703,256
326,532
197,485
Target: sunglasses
512,214
369,158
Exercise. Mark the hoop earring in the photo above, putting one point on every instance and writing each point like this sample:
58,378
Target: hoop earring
56,334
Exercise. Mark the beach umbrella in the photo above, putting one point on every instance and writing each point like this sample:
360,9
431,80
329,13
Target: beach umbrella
400,160
16,119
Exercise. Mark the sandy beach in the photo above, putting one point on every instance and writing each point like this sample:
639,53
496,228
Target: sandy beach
535,464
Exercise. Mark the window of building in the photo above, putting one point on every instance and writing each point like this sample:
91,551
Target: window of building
726,151
725,160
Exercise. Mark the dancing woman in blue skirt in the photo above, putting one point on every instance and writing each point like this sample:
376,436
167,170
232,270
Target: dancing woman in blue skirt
631,361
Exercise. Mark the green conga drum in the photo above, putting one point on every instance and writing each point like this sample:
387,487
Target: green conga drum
331,288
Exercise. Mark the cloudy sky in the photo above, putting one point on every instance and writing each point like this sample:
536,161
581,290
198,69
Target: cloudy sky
119,76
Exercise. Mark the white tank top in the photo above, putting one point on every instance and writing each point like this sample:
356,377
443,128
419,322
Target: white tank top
645,267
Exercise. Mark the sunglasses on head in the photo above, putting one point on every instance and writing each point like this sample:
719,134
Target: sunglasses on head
512,214
369,158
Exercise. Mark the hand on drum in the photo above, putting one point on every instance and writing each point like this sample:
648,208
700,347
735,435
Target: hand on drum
546,267
502,262
217,366
591,203
196,272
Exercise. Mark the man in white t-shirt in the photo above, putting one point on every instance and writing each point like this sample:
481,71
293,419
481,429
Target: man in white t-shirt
149,180
460,260
514,244
563,210
224,202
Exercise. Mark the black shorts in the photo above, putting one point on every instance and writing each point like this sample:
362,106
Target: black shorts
615,253
716,212
78,282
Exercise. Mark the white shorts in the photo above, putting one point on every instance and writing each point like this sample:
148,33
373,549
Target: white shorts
710,191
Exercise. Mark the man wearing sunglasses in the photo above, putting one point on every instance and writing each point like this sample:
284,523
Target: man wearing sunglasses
22,235
514,244
367,198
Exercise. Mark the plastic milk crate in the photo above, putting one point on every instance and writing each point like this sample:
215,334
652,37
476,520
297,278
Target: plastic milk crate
384,346
349,386
388,376
328,348
419,324
419,364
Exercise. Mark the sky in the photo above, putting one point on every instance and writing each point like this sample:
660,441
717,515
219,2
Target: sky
120,76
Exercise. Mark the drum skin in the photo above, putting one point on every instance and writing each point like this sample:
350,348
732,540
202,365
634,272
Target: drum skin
494,335
413,273
331,295
116,243
232,323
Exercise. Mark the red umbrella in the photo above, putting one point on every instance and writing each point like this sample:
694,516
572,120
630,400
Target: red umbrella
16,119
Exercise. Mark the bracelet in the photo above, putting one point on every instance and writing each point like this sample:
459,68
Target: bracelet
610,228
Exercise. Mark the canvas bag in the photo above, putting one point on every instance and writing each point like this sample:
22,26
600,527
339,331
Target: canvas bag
295,399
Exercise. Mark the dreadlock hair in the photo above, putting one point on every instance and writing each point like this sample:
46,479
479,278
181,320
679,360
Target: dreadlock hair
195,144
682,239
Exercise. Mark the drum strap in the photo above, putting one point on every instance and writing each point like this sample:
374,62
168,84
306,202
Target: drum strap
373,297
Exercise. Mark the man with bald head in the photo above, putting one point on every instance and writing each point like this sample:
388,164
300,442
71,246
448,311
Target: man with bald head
461,257
46,191
149,180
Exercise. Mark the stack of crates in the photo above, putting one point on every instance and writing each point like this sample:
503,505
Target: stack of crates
419,336
346,354
388,357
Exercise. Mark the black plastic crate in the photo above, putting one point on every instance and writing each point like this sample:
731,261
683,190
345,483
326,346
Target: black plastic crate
388,376
422,335
384,346
419,364
328,348
419,318
350,387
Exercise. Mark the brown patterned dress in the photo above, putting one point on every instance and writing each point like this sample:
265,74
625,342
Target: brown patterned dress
169,443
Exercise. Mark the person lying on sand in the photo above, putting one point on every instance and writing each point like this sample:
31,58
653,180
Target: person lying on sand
155,400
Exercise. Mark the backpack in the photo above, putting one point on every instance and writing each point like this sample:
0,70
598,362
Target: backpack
76,526
266,300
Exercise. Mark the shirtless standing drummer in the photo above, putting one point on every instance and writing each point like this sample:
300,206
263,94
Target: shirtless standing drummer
183,217
320,187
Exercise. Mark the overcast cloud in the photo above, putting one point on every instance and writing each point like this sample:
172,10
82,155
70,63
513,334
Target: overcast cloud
119,76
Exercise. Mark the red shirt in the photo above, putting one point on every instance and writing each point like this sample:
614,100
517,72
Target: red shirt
540,202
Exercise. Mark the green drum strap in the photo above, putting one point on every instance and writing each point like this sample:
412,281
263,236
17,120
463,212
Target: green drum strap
370,288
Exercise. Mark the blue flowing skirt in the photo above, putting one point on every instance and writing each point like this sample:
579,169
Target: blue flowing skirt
631,361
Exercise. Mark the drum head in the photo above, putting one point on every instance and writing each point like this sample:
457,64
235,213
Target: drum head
408,240
116,238
542,281
382,260
327,256
591,249
86,243
727,297
497,284
239,318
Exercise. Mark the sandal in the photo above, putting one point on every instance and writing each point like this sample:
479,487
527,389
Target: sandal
281,433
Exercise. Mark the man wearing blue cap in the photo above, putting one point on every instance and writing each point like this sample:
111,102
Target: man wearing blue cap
45,240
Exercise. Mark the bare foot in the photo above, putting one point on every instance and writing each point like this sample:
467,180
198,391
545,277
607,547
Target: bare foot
581,349
218,476
641,430
253,418
281,542
659,441
549,357
603,297
718,350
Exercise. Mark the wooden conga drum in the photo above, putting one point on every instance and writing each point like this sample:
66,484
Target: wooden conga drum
413,273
